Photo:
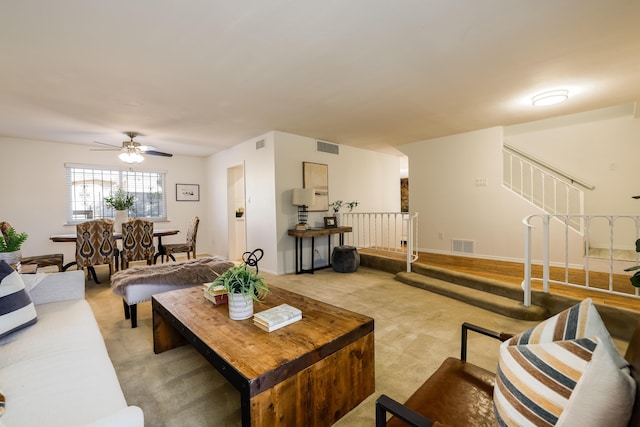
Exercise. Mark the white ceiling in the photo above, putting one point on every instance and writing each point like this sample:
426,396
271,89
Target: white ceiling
198,76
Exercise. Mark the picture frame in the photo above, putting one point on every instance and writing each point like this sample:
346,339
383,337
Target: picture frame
316,176
330,222
188,192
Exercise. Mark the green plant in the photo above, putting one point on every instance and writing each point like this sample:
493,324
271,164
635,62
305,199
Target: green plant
337,205
120,201
11,241
239,279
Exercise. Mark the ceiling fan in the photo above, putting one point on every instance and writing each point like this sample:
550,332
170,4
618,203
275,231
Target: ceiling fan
132,151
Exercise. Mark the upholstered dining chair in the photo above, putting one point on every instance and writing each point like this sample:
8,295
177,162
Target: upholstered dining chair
189,246
137,241
95,245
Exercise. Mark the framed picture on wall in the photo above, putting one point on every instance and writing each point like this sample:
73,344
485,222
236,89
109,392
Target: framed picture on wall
188,192
316,176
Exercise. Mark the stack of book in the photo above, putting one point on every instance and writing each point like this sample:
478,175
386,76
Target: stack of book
217,295
276,317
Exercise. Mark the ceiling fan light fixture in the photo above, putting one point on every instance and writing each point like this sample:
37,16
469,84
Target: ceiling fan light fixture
131,157
550,97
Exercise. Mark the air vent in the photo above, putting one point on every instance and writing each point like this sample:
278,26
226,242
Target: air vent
260,144
465,246
327,147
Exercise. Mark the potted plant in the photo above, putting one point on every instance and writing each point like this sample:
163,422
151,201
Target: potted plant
120,202
244,286
338,204
10,243
239,212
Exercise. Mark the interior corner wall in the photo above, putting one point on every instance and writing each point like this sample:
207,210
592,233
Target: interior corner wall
600,147
456,181
456,187
371,178
260,211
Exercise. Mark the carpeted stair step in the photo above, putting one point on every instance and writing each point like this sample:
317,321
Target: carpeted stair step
483,298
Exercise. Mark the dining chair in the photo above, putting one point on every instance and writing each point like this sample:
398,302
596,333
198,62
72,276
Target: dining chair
137,242
189,246
96,245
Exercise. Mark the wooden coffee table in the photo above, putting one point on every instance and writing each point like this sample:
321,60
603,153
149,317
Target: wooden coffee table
309,373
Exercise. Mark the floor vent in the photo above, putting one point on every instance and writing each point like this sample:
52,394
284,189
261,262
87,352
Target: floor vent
465,246
327,147
260,144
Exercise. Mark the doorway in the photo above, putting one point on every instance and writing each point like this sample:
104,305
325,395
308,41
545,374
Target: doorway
236,212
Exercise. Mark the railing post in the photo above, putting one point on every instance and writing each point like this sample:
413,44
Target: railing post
526,283
409,242
545,253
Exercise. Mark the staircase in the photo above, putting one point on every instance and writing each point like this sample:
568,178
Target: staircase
470,280
481,292
487,293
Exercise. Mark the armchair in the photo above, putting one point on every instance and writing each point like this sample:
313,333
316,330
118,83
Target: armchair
457,394
564,371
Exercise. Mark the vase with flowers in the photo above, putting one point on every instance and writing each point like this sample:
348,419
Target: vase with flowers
339,204
121,202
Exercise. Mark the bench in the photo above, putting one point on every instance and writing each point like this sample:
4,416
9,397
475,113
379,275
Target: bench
460,393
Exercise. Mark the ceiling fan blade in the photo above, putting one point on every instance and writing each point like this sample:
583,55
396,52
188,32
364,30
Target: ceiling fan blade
105,149
157,153
108,145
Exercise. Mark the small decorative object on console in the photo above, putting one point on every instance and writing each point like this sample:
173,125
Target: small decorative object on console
277,317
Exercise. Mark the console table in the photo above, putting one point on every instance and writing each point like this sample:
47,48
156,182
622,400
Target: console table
312,233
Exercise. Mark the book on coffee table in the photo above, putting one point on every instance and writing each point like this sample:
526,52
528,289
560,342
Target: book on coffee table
217,295
277,317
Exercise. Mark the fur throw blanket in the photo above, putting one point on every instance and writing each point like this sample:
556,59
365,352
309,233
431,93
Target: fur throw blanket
192,272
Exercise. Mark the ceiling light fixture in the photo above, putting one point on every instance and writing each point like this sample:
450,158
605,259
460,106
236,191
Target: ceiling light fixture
549,98
131,157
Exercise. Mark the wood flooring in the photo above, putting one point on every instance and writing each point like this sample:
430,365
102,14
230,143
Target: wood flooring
513,273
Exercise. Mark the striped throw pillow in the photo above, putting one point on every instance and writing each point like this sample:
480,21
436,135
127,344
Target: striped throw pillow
579,321
16,308
562,383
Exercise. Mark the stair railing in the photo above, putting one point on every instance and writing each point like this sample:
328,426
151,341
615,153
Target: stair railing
545,186
610,234
393,232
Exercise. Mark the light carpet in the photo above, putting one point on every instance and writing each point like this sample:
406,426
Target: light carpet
415,330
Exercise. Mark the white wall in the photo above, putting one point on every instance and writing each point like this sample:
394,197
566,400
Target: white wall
273,171
371,178
34,200
443,189
260,211
602,147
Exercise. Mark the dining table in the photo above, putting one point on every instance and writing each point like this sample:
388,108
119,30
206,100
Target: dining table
159,233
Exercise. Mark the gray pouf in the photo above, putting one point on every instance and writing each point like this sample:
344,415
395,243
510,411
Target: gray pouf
345,259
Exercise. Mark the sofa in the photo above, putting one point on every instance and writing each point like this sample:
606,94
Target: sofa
56,371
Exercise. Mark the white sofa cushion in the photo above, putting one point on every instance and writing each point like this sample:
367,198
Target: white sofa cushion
58,371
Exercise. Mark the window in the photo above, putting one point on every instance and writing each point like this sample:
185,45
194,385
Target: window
87,186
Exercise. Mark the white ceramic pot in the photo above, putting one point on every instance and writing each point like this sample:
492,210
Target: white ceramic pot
12,258
240,306
121,216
